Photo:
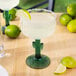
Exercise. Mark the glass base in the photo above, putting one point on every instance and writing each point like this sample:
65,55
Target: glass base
40,63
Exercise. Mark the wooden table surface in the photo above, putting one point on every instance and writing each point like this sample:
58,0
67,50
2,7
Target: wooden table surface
62,43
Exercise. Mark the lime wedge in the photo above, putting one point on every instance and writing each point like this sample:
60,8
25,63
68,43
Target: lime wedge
23,13
60,69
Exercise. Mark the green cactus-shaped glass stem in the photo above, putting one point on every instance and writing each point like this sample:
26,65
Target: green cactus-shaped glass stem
38,61
38,47
7,17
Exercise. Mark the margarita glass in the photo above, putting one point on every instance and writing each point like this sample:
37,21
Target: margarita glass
2,52
41,25
7,5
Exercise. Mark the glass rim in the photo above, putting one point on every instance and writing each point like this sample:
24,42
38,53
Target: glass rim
42,10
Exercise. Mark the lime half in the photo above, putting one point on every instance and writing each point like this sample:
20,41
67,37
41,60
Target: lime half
69,62
60,69
23,13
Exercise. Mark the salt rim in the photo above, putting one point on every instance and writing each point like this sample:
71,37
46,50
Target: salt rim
47,11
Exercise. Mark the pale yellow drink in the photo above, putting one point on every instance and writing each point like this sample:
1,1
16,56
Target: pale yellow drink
8,4
40,26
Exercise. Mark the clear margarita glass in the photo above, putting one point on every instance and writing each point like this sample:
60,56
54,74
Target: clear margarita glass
41,25
5,5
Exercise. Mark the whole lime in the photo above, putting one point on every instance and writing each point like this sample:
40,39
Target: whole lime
69,62
12,17
12,12
71,9
12,31
72,26
65,19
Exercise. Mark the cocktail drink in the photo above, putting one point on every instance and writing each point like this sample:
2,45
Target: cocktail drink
7,5
41,25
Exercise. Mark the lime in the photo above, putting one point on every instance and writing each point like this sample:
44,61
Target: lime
72,26
12,31
65,19
60,69
12,12
13,17
69,62
23,13
71,9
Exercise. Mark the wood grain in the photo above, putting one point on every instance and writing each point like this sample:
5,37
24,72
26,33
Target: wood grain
61,43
